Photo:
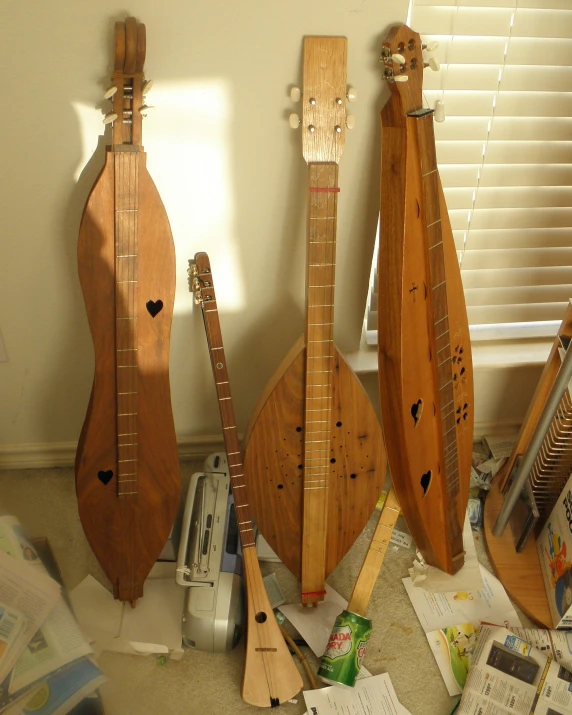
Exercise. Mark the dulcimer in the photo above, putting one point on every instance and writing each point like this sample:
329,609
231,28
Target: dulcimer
127,469
270,675
314,454
425,367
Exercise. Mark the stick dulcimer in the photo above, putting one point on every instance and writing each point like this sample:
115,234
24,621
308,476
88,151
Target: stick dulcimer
270,674
425,367
127,469
314,455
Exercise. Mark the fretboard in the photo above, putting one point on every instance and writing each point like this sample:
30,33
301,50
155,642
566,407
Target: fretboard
126,209
231,443
321,256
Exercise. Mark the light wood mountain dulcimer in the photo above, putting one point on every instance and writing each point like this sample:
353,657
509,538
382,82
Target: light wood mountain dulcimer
314,458
425,367
270,674
127,469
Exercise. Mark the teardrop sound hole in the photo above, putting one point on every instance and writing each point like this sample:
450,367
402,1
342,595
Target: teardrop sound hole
260,617
426,481
105,476
417,411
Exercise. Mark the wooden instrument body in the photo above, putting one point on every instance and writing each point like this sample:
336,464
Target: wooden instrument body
270,674
425,368
275,451
128,532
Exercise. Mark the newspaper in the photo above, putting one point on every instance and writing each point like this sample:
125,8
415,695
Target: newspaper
33,594
12,624
508,675
370,695
59,640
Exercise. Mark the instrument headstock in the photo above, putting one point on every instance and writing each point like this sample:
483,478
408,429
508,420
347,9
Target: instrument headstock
402,57
324,98
200,279
128,84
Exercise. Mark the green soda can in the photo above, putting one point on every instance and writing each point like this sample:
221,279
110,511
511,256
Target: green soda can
346,648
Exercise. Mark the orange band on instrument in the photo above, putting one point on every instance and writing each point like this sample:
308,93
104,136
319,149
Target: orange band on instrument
314,593
333,191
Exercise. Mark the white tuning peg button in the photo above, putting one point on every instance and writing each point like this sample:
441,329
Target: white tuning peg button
295,94
294,121
350,121
431,47
147,86
439,111
109,118
352,94
401,78
433,64
144,109
110,92
398,59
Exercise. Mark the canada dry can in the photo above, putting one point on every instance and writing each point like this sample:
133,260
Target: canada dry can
341,662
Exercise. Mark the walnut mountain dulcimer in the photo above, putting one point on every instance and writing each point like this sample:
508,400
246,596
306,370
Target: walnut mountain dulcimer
315,460
425,368
127,469
270,674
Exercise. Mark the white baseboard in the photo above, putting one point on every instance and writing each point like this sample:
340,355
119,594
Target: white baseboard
62,454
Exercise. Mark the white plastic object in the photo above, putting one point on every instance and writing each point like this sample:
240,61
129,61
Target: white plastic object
147,86
109,118
398,59
431,47
110,92
294,121
144,109
434,64
350,121
439,111
352,94
295,94
401,78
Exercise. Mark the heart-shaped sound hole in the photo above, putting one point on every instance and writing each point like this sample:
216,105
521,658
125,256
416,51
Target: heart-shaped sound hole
426,481
105,476
154,307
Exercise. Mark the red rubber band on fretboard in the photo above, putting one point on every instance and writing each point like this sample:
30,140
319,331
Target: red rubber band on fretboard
314,593
333,191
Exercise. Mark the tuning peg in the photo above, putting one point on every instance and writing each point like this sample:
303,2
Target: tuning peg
294,121
433,64
398,59
431,47
144,109
352,94
147,86
109,118
350,121
439,111
401,78
295,94
110,92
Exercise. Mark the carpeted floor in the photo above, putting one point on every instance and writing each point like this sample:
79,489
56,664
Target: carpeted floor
209,684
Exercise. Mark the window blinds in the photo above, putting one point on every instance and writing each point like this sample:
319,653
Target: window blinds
505,157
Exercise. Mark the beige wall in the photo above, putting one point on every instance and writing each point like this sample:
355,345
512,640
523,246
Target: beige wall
229,170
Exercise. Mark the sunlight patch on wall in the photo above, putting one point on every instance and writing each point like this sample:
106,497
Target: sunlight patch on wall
189,156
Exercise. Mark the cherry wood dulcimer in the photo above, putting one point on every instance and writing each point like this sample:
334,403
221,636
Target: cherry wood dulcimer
127,469
425,368
314,455
270,674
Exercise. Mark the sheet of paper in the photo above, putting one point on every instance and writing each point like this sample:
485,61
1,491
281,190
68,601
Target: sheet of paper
437,581
442,610
371,696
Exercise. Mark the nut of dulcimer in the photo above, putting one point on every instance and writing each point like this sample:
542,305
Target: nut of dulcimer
110,92
109,118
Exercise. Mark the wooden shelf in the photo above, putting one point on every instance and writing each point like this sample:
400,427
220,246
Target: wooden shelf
520,574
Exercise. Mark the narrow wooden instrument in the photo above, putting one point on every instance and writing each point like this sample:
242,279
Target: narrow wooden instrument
314,457
270,674
425,367
375,555
127,469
